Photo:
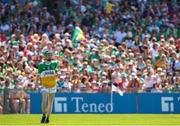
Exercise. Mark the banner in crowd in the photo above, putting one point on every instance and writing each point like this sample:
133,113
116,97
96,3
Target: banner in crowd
102,103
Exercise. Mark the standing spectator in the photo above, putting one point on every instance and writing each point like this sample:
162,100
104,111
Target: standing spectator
150,80
119,36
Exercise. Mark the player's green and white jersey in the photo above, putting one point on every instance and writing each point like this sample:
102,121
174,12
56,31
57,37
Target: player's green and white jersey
47,69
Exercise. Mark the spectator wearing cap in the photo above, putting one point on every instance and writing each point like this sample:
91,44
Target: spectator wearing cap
68,82
124,82
63,86
149,80
159,75
24,99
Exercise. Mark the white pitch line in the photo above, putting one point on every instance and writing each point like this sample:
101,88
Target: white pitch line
85,125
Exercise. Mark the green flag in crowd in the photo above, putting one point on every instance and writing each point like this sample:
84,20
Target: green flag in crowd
78,35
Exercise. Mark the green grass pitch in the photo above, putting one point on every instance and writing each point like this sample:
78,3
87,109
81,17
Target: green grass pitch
92,119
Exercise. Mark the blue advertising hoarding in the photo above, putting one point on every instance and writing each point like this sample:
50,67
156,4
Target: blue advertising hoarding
76,103
158,103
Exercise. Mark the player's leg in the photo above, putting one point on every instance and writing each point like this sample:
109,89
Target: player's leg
15,103
28,104
44,101
1,109
1,104
50,104
23,105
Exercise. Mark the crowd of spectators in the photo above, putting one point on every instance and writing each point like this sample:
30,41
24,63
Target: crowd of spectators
133,45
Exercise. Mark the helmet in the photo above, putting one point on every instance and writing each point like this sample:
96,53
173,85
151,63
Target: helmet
47,55
46,52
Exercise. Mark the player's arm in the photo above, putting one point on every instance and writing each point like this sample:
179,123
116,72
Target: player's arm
40,70
57,67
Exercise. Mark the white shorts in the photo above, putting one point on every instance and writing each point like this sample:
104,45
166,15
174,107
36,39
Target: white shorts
48,90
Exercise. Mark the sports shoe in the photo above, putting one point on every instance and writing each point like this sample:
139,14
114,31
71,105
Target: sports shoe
43,118
47,120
